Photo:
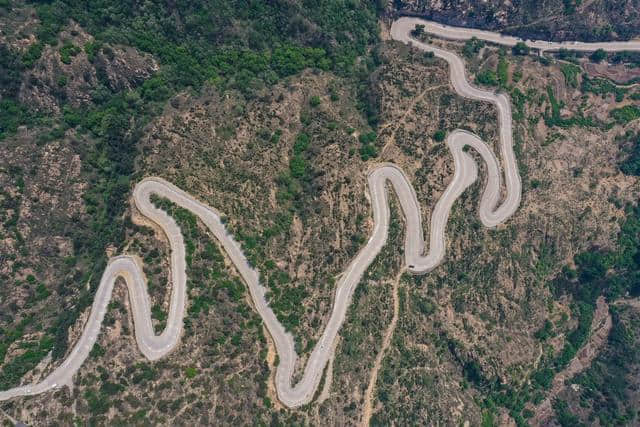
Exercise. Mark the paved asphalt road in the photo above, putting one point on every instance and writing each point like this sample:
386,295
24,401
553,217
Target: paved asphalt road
458,33
491,214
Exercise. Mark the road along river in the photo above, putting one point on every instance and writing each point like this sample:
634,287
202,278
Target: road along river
491,214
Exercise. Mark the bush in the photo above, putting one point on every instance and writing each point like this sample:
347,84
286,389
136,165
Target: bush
367,138
631,165
487,78
439,135
190,372
602,87
301,144
520,48
545,332
367,149
10,70
472,47
368,152
543,377
298,166
67,51
417,31
564,416
626,57
314,101
12,115
598,56
625,114
570,73
91,49
32,54
503,72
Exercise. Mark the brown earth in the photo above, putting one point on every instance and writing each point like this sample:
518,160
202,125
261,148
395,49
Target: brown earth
481,307
621,74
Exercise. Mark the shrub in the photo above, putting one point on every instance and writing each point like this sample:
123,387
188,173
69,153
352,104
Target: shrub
67,51
520,48
570,73
91,49
439,135
487,78
598,56
631,165
472,47
298,166
190,372
545,332
12,115
625,114
503,72
32,54
417,31
314,101
543,377
367,138
301,144
367,152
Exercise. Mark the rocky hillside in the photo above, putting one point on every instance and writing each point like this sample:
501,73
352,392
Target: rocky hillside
273,112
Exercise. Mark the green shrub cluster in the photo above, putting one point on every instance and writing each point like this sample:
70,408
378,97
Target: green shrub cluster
520,49
439,135
554,119
626,57
472,47
602,87
598,56
631,164
571,73
368,149
487,78
605,384
502,72
67,51
625,114
12,112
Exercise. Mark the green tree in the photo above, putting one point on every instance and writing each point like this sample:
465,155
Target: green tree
520,48
487,78
598,56
314,101
418,31
439,135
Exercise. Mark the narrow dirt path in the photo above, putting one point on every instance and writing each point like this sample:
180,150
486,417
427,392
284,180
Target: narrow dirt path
386,341
408,112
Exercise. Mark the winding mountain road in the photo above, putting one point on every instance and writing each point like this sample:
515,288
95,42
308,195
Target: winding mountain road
406,24
153,346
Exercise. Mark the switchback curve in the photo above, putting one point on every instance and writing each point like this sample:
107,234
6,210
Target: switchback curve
156,346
